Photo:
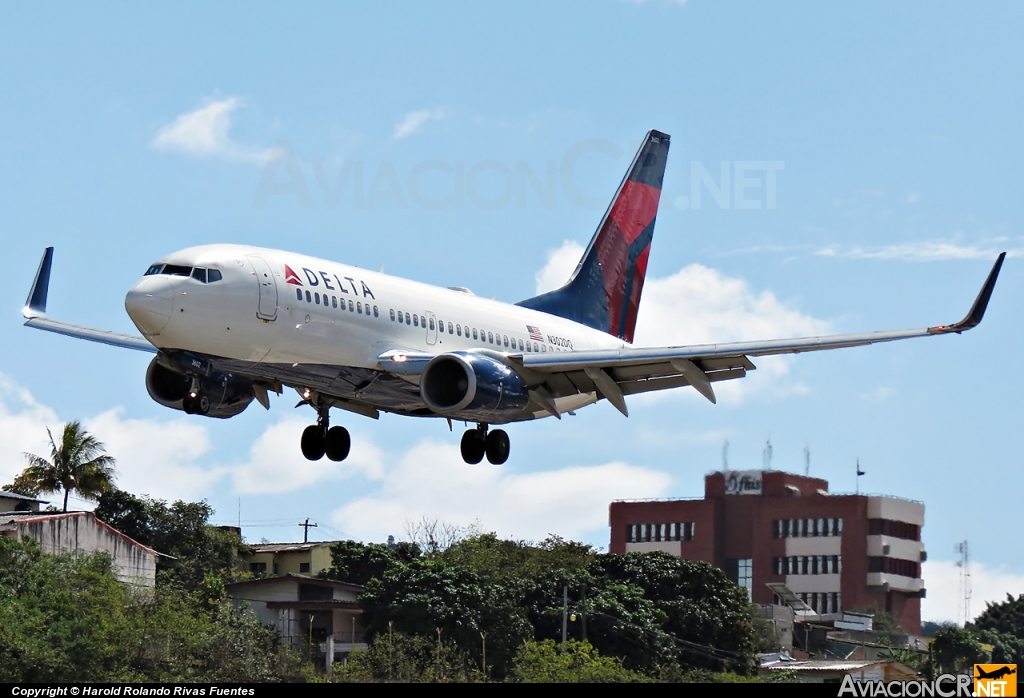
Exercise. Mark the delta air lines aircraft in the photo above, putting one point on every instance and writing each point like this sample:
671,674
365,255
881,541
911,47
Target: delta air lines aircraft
229,324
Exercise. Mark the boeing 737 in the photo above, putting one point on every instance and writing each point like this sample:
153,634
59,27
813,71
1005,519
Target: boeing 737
230,324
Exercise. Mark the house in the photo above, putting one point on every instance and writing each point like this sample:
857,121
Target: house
834,670
287,558
10,501
316,617
80,532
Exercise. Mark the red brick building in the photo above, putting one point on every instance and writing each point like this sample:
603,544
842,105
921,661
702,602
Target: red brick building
834,551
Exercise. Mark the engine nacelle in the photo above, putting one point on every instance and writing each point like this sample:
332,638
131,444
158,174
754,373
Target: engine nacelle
474,387
229,394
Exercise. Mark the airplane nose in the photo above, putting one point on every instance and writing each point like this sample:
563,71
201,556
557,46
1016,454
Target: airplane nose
150,303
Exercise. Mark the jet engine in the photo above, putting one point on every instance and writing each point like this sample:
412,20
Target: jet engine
474,387
227,393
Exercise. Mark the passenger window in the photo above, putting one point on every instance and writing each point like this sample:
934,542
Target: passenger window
520,345
309,298
400,318
450,328
458,328
474,333
351,307
544,348
334,301
298,293
359,308
423,321
431,323
490,338
535,347
199,274
408,321
316,298
416,320
528,348
392,315
504,340
213,275
376,313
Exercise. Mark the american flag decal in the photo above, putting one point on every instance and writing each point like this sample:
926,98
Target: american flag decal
535,334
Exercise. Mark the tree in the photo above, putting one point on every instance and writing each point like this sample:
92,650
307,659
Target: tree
954,650
1004,617
79,463
574,662
358,563
181,530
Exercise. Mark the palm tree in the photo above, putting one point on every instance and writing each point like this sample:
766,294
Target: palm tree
79,463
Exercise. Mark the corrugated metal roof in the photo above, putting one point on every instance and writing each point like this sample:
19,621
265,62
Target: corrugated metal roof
824,664
13,495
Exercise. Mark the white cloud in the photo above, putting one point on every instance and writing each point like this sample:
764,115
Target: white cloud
559,267
944,601
430,480
157,458
276,464
23,423
205,132
414,120
921,251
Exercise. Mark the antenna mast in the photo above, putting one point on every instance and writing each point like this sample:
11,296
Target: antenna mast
964,564
807,460
768,455
725,455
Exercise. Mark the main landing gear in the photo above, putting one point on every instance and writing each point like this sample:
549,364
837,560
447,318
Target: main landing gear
476,443
322,439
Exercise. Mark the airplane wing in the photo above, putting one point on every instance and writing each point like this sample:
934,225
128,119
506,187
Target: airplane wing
615,373
35,315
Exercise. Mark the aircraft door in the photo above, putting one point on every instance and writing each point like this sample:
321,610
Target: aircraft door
267,309
431,329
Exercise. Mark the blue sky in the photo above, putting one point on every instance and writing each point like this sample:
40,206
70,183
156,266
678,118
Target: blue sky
892,133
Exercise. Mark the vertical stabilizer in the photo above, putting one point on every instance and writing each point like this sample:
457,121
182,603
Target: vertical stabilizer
604,290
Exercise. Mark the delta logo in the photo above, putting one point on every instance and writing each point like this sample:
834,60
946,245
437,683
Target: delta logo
995,680
291,277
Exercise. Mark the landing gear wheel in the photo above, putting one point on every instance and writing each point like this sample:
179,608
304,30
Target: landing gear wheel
474,444
188,404
337,444
498,447
314,442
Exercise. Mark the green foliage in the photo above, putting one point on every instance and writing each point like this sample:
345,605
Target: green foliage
358,563
77,463
180,530
65,618
395,656
574,662
426,595
954,650
701,606
1006,617
496,560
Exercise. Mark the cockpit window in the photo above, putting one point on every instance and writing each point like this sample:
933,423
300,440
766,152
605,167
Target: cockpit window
177,270
155,269
213,275
199,274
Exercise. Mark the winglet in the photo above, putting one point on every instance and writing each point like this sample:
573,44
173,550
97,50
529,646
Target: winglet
35,305
977,312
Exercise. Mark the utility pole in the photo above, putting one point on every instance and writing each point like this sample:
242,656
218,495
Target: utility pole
306,525
565,614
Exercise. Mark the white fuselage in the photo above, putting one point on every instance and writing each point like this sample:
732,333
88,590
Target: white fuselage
278,307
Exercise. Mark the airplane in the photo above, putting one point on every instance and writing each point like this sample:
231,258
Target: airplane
230,323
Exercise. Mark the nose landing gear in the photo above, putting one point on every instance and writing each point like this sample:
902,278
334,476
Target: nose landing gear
321,439
476,443
196,401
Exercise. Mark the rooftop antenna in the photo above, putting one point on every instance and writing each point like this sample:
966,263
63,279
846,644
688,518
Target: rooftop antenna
725,455
767,455
807,460
965,584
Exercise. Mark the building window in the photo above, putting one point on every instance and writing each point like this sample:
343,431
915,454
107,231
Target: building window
258,567
303,568
742,572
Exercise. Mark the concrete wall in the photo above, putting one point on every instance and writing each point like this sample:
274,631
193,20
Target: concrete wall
83,533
